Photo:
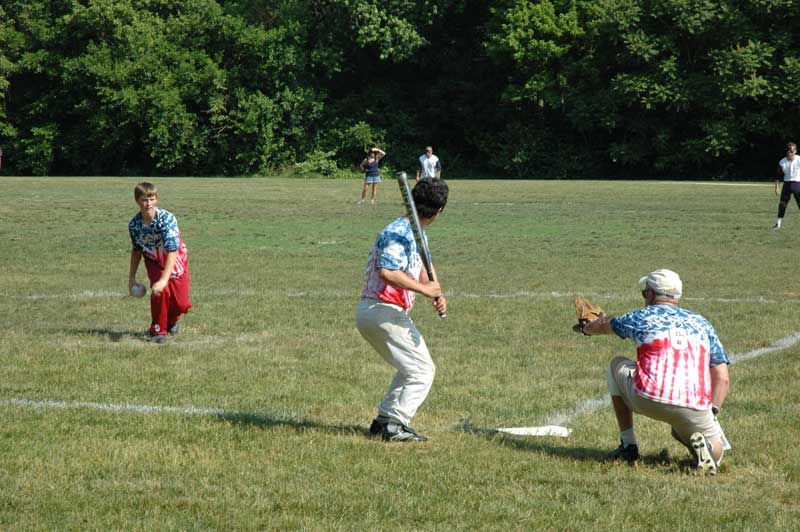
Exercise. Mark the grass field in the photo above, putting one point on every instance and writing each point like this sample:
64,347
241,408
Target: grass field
255,416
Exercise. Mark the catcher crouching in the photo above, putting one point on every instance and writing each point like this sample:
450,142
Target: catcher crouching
680,375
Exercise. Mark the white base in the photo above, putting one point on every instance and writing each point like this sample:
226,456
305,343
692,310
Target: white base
547,430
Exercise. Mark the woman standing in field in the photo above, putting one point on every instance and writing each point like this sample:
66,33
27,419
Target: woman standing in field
789,170
372,174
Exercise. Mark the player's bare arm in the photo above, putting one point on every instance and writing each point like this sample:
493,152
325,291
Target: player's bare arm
598,326
159,285
720,385
439,303
400,279
136,258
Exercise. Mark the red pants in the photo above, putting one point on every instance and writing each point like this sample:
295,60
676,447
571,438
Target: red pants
166,308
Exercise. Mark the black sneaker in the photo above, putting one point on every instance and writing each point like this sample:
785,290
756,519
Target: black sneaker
174,328
395,432
159,339
378,425
629,454
702,451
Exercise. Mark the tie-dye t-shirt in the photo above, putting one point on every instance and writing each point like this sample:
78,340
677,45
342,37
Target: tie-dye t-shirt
394,249
159,238
675,349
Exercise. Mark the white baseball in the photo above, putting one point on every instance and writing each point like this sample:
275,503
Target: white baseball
138,290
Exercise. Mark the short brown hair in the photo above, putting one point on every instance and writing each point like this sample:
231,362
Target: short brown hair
790,146
145,189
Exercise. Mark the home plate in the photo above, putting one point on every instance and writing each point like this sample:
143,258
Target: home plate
547,430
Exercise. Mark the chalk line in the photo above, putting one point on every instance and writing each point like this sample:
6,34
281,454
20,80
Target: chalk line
518,294
139,409
582,407
713,184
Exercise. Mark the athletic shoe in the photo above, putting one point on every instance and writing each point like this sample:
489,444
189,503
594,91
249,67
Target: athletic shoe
776,227
395,432
360,202
702,451
628,454
174,329
378,425
159,339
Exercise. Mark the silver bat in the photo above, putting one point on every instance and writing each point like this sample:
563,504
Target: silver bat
416,226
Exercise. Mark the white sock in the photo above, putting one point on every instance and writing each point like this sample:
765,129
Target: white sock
628,437
778,223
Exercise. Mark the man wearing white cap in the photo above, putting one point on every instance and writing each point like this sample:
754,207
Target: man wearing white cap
680,375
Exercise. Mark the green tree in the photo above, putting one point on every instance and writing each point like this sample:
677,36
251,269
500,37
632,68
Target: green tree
157,86
654,87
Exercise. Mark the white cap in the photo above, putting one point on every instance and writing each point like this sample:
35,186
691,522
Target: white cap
663,282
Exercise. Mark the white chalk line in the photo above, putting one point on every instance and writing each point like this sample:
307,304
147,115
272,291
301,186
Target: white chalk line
111,407
588,406
100,294
558,418
519,294
713,184
523,294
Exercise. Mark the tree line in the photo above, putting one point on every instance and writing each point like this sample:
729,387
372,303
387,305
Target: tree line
509,88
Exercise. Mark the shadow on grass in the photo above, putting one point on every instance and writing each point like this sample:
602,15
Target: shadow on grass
110,335
300,425
544,445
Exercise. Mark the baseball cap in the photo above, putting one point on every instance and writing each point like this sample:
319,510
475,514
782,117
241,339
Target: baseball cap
663,282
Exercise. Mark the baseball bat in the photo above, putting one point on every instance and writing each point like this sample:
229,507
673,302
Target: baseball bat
416,226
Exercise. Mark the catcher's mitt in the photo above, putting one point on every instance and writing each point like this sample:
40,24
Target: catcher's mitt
587,312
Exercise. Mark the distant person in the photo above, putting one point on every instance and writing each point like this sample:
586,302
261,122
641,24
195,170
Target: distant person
680,375
372,174
155,235
429,165
789,172
394,276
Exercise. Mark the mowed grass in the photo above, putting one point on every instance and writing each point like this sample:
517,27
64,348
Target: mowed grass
277,267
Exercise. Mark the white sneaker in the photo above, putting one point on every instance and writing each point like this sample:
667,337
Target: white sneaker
360,202
776,227
702,450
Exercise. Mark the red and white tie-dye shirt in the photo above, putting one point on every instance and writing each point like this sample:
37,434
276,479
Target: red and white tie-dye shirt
394,249
675,348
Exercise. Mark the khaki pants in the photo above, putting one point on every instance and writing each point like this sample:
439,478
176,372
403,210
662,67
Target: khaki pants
394,336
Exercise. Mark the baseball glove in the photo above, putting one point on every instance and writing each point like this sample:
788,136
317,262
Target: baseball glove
587,312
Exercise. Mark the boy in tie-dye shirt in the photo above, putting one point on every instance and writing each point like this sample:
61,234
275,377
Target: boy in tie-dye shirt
155,236
394,276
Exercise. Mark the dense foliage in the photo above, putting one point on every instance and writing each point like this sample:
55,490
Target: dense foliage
519,88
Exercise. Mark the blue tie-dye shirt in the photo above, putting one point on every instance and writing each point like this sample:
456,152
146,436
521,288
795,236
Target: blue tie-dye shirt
394,249
158,239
